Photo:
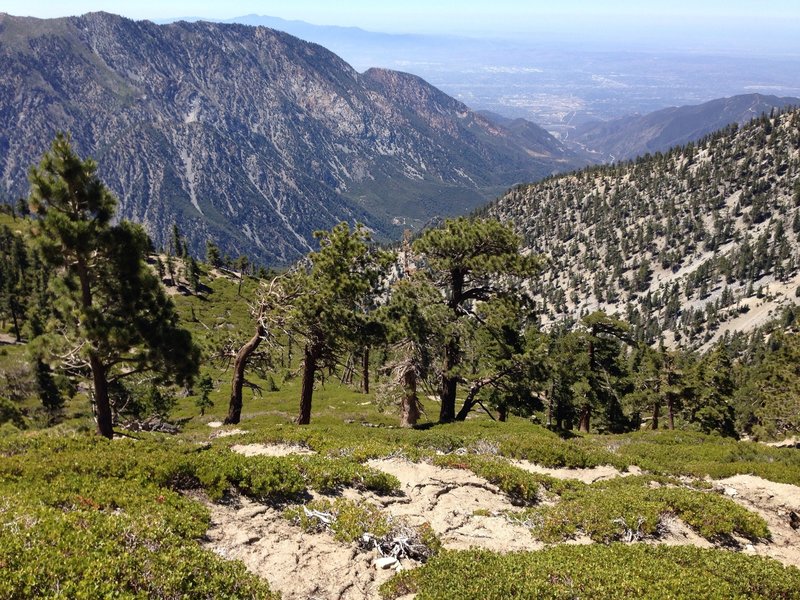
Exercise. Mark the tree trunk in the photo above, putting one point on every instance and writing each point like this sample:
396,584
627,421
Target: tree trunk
237,381
410,408
670,412
447,393
585,419
105,424
307,390
502,413
365,371
16,323
656,413
469,401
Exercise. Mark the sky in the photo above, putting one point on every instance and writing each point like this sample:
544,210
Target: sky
767,19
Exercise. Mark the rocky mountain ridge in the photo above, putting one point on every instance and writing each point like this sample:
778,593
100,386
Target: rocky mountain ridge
637,135
246,135
687,245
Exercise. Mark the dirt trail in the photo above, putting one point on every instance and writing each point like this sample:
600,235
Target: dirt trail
314,566
298,564
447,499
775,502
585,475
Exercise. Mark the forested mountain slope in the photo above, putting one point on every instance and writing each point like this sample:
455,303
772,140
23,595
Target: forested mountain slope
246,135
689,243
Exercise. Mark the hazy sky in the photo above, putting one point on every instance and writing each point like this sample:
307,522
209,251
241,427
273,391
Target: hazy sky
456,16
730,26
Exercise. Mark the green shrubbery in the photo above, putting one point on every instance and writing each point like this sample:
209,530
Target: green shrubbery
700,455
597,572
367,525
517,483
88,518
631,508
349,520
65,532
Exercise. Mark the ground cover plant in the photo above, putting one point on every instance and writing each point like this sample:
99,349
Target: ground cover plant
633,508
599,572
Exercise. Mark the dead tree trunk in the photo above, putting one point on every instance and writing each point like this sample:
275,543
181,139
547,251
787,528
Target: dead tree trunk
365,370
410,404
237,382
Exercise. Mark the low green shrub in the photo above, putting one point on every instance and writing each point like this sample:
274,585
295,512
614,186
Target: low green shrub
699,455
598,572
350,520
10,413
517,483
630,509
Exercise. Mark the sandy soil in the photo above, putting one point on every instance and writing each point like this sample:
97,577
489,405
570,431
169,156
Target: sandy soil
584,475
774,502
447,499
227,433
314,566
270,449
299,565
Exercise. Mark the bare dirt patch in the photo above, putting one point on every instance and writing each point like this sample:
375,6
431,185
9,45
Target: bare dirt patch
227,433
298,564
584,475
270,449
775,502
448,499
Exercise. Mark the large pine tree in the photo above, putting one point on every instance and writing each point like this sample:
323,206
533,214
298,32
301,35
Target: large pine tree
113,319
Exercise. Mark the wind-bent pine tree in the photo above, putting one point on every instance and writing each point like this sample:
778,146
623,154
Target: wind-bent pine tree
469,260
112,318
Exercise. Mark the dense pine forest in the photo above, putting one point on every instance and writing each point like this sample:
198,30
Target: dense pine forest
479,347
684,244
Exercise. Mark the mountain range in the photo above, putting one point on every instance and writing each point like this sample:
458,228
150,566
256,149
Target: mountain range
249,136
636,135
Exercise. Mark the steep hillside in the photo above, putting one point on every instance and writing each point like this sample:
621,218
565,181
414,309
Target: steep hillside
629,137
694,242
244,134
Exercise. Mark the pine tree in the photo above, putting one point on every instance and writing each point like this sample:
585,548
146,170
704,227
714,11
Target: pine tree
112,316
324,299
469,261
203,401
212,254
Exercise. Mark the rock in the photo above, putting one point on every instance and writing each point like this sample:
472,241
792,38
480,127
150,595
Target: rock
245,538
385,562
730,492
248,512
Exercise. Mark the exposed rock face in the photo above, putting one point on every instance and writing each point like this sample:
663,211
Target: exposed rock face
247,135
